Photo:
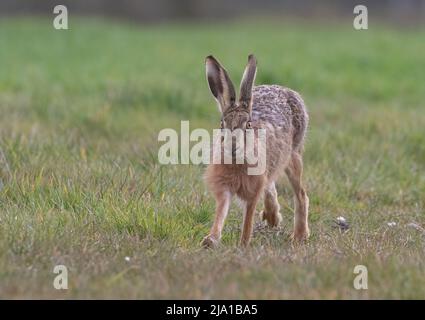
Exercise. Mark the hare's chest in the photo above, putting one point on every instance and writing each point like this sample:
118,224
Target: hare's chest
243,185
235,180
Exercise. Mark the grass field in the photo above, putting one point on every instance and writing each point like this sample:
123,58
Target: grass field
80,183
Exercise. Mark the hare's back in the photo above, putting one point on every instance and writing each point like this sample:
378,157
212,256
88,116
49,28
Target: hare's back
281,107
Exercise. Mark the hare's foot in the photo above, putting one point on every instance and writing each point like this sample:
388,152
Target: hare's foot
210,242
300,234
273,219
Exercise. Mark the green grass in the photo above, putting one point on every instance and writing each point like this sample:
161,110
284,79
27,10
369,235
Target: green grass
80,183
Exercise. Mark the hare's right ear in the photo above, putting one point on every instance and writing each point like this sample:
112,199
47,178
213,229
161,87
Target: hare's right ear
220,84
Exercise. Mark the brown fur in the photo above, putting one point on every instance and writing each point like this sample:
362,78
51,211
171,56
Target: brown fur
282,113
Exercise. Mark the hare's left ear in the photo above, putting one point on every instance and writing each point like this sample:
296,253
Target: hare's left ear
248,78
220,84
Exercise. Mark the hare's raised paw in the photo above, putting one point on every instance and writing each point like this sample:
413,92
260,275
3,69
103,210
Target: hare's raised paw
272,220
209,242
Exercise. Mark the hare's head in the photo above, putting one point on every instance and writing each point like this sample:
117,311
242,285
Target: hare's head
235,114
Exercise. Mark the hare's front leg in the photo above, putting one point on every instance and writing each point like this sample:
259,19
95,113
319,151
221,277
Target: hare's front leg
294,173
248,221
222,208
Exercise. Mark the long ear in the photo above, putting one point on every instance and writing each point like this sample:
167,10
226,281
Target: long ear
220,84
247,82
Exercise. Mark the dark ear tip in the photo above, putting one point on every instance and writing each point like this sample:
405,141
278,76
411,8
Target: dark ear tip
210,58
251,57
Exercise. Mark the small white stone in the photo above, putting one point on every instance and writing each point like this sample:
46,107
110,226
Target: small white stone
341,219
127,259
391,224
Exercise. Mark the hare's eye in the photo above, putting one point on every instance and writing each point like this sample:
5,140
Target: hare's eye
248,125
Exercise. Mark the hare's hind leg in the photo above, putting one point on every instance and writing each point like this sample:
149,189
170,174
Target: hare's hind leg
271,212
294,172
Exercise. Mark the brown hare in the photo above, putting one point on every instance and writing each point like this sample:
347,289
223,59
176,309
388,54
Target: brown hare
282,113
